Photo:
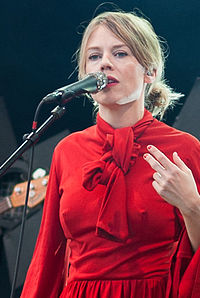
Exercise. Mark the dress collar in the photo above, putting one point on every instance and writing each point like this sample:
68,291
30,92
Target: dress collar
103,128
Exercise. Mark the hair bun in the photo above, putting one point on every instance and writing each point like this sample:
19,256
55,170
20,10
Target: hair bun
159,97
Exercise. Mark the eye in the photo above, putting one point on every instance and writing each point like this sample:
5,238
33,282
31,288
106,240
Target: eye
121,54
94,57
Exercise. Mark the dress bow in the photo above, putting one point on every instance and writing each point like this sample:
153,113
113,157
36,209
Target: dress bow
119,154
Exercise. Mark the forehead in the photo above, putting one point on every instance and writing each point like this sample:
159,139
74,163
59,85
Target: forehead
102,36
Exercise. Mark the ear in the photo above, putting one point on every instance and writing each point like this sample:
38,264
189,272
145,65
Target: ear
149,76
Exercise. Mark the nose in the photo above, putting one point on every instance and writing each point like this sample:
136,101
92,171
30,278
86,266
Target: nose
106,63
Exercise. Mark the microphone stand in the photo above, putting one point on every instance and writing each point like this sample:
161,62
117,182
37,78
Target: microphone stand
32,138
97,82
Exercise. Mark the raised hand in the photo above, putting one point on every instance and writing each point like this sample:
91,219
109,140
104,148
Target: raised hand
173,181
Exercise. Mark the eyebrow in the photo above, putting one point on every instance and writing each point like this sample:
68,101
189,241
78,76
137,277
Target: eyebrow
114,47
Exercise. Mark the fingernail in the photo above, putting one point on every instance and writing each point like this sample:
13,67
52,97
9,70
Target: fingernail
149,147
145,156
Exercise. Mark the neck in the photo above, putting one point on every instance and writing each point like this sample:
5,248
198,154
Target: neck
119,116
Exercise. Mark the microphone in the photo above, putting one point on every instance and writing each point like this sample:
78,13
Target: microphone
92,83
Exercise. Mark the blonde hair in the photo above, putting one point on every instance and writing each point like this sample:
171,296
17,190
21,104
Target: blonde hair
138,34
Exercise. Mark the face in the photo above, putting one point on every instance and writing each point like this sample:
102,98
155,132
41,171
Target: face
126,77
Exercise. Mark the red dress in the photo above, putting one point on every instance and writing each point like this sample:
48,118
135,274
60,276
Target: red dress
100,196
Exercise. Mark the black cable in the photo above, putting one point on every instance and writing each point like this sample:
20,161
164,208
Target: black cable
21,234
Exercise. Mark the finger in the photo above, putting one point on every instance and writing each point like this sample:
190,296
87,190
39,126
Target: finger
159,189
157,177
161,157
178,161
156,186
154,163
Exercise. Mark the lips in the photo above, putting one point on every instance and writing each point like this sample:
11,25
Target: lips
112,81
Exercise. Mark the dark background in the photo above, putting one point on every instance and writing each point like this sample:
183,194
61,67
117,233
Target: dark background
37,43
39,38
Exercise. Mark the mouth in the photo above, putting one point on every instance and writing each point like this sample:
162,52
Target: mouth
111,81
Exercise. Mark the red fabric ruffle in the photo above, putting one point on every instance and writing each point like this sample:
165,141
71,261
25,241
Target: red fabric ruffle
119,154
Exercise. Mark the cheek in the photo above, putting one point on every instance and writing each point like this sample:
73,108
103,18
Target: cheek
87,66
134,82
134,69
90,67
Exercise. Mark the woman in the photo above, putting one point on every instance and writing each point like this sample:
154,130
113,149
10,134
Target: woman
116,204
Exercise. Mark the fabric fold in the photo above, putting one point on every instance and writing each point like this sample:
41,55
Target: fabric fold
119,153
183,280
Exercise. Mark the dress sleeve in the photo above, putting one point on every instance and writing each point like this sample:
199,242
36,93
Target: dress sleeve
184,275
45,274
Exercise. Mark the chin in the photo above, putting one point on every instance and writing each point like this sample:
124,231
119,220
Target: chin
106,101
